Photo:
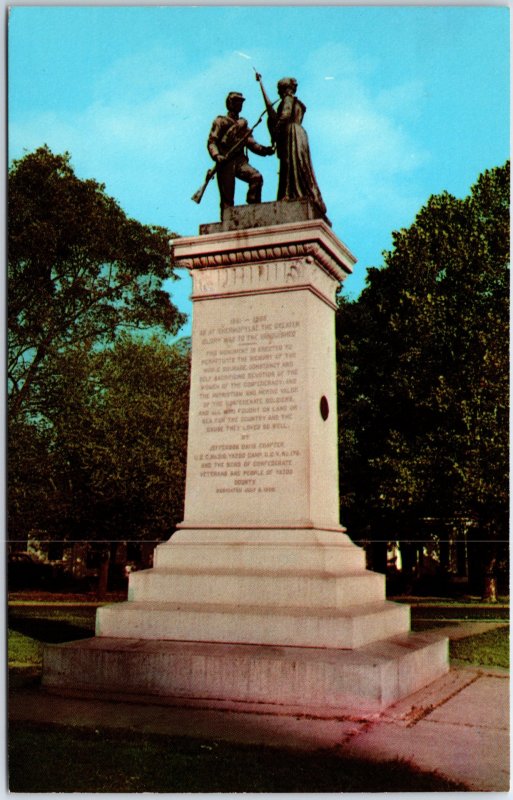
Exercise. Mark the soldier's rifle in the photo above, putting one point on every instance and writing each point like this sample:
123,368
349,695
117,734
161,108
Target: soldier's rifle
197,196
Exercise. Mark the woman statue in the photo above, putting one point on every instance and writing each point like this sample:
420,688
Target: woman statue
297,178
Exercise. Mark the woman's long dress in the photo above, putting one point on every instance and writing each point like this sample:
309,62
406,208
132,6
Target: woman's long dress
297,178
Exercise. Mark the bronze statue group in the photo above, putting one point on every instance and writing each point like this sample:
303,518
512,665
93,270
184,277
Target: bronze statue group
230,138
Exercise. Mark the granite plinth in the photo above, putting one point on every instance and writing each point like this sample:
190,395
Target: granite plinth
263,548
305,588
262,215
280,680
294,626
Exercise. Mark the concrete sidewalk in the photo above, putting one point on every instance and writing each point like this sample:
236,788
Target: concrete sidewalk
458,726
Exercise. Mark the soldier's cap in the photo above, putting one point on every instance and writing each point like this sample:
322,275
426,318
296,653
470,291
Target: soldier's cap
235,94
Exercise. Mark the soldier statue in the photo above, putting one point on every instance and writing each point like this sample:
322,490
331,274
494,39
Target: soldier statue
231,159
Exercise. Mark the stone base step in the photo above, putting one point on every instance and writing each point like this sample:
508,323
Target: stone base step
260,549
350,627
365,680
270,587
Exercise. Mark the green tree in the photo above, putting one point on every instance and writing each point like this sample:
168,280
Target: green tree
424,395
80,274
111,442
127,447
31,491
79,269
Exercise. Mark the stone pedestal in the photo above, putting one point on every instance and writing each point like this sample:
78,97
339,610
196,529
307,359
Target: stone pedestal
260,596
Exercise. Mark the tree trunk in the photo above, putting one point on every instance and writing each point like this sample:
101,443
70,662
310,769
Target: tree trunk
20,397
377,556
408,562
461,558
476,557
444,553
103,574
490,576
490,589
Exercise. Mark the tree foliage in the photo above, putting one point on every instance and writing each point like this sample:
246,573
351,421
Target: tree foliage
79,270
424,370
106,462
97,411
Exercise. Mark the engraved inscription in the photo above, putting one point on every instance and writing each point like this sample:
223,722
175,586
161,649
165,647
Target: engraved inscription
244,276
248,400
265,277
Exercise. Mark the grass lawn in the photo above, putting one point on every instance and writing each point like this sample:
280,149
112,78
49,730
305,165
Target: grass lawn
23,650
110,761
490,648
32,626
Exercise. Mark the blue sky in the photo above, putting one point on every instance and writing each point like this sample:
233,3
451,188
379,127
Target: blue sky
402,103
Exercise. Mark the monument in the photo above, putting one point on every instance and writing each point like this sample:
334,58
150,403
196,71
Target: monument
259,600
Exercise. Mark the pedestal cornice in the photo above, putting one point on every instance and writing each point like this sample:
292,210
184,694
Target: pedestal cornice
312,238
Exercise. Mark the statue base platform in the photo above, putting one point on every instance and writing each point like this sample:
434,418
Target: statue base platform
289,621
321,682
263,215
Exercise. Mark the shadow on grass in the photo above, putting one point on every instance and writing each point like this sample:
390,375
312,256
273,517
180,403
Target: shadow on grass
24,678
83,760
460,613
419,625
51,631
